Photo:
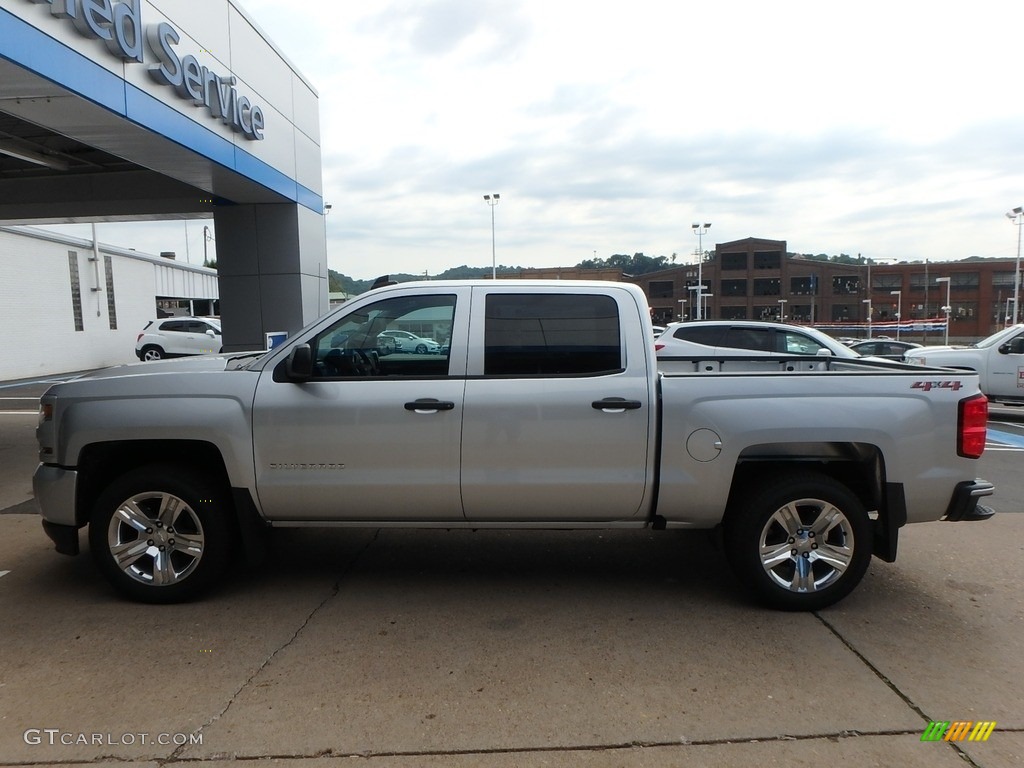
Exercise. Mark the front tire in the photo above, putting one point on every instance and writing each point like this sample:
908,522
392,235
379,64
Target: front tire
801,543
160,533
421,349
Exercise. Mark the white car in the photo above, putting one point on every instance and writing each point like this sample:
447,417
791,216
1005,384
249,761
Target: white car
410,342
717,338
178,336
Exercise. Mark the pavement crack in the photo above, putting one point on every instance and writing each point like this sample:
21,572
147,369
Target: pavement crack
175,756
890,684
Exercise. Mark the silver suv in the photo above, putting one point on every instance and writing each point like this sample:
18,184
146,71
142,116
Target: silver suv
178,336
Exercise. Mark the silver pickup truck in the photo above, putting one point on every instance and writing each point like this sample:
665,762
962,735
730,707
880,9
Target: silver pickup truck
542,407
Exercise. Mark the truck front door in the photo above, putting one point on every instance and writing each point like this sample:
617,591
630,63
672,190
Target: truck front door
371,436
1006,369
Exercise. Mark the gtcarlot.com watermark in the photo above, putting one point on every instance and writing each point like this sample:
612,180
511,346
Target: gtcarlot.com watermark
55,737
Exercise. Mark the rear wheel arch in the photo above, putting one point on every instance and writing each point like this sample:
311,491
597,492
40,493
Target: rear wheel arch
858,466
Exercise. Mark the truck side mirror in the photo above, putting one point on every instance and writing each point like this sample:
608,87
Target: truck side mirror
299,364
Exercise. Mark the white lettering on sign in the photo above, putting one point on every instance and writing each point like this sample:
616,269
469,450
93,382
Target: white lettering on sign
119,25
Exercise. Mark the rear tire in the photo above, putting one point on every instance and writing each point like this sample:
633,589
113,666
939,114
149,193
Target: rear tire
800,543
152,353
160,533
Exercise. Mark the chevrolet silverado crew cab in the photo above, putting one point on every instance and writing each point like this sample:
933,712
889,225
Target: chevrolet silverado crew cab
546,409
999,361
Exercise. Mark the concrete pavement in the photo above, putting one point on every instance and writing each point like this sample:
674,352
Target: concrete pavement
402,649
433,648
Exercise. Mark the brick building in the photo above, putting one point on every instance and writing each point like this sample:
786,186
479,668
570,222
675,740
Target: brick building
755,279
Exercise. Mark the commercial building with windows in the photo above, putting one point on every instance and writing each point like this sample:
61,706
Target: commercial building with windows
70,304
756,279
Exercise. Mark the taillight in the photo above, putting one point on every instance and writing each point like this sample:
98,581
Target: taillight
658,347
971,426
139,338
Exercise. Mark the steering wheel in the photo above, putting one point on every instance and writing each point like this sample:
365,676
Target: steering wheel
365,363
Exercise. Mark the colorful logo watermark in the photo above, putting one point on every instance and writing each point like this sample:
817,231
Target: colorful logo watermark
959,730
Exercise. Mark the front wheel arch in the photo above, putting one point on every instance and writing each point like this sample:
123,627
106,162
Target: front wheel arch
800,542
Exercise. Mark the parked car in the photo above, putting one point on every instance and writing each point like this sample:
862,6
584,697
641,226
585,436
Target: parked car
887,348
746,337
410,342
178,336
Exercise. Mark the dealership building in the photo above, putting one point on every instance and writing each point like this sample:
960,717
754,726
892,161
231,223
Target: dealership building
145,110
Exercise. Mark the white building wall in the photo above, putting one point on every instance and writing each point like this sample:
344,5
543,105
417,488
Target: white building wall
37,309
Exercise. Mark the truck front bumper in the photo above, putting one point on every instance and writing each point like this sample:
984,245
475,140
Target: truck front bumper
54,489
964,504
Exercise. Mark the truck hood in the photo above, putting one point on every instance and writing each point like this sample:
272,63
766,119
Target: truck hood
943,350
176,365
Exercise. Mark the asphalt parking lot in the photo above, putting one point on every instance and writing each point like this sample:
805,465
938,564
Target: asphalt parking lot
458,648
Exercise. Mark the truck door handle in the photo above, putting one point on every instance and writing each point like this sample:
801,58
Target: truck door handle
616,404
427,404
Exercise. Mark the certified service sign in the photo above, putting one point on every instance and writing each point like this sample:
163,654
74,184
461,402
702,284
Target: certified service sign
120,26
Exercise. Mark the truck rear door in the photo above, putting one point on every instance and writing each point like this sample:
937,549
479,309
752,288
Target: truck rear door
558,423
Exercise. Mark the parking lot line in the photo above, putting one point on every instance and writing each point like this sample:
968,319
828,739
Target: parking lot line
1005,438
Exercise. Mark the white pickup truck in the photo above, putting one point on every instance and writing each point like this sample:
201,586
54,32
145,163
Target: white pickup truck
999,361
543,408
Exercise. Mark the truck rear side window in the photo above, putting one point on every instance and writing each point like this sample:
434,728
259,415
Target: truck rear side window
551,335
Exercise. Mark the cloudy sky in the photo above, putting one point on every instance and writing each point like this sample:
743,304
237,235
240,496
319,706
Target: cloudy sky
892,129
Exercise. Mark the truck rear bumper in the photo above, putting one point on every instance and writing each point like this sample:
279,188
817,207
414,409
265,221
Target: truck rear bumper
964,504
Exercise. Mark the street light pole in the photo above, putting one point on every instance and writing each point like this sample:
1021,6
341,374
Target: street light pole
899,310
1017,217
700,230
949,307
492,200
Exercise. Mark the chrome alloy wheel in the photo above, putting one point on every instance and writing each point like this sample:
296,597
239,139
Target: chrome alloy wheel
806,545
156,538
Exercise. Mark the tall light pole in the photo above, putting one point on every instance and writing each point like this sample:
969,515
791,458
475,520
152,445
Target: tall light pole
492,200
700,230
1017,217
949,307
899,310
